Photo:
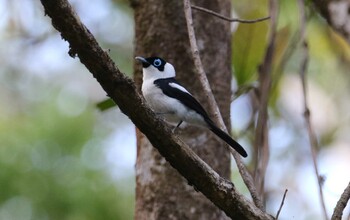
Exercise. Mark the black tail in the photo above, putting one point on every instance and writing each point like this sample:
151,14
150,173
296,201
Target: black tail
227,138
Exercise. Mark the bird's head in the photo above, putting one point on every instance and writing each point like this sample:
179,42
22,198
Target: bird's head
156,68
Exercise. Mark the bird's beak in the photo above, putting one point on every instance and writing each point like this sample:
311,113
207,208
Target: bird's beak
143,60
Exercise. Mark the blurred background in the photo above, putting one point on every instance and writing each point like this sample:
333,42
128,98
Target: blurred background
63,158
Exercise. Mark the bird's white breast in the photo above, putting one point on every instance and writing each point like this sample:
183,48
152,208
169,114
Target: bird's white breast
169,108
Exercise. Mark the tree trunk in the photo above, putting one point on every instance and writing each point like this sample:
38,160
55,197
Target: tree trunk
160,29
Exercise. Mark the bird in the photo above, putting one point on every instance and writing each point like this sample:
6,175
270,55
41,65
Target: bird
168,98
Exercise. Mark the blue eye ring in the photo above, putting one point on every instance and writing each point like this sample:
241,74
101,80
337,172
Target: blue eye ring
157,62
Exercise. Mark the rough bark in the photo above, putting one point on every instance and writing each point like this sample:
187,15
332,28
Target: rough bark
337,14
122,90
161,193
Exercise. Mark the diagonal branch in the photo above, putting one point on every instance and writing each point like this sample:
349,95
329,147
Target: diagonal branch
83,44
227,18
341,204
311,133
213,107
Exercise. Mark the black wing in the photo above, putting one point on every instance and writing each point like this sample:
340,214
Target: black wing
184,97
189,101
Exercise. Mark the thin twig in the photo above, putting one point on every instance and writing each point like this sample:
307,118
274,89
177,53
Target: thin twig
213,107
261,142
341,204
228,18
282,203
311,133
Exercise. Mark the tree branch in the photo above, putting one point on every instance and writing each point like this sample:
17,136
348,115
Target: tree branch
213,107
311,133
282,203
341,204
227,18
261,133
82,43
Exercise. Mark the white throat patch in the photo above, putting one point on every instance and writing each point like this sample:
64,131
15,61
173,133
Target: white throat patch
152,73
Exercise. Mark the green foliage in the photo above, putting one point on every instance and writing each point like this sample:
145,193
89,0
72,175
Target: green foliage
105,104
43,172
249,41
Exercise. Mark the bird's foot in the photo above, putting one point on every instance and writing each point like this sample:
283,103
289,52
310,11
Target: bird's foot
178,125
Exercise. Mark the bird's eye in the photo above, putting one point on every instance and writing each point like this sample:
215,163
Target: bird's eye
157,62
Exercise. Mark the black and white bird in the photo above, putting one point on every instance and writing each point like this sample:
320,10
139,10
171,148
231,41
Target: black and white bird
171,100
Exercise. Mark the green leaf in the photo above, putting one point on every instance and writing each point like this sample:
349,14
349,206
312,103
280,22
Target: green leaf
249,44
105,104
